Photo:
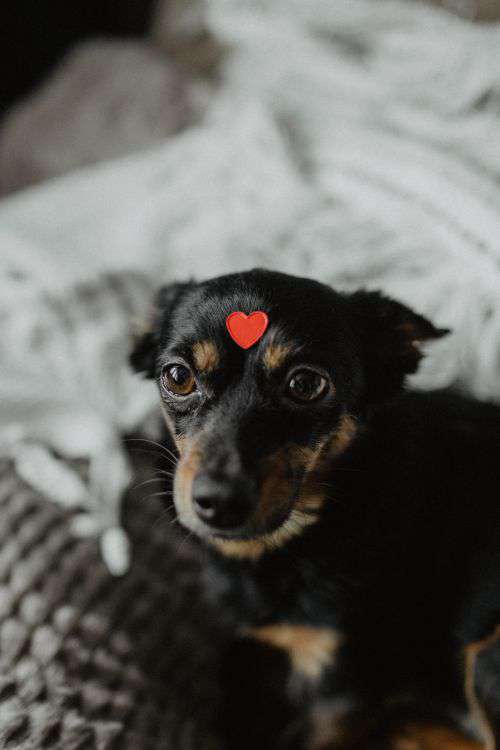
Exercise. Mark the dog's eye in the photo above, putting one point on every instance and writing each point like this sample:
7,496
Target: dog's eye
178,379
306,385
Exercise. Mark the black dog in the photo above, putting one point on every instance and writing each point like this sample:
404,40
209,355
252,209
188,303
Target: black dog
357,524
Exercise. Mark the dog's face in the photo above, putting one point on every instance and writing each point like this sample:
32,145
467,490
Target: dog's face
258,429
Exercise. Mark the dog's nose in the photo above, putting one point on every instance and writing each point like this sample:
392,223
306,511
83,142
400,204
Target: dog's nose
220,503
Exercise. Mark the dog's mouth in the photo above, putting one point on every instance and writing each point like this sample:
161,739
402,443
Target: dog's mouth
257,515
253,530
251,511
261,533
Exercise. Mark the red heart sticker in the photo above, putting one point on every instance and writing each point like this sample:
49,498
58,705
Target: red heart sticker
246,330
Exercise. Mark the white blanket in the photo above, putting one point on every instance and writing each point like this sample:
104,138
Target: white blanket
350,140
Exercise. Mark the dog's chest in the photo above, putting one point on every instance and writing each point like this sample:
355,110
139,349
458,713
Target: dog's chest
277,606
310,649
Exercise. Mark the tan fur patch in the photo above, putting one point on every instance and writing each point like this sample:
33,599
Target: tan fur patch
303,459
344,435
179,440
310,649
275,355
206,356
312,460
187,468
276,487
471,653
432,737
252,549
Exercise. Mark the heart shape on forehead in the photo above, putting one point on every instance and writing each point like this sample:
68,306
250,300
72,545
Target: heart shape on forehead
246,330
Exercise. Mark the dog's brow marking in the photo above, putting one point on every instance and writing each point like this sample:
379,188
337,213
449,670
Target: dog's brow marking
310,649
275,355
472,651
206,356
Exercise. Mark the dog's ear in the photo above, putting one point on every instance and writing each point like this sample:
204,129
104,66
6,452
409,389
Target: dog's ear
147,335
390,336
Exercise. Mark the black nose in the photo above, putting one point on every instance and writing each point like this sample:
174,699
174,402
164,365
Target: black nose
221,503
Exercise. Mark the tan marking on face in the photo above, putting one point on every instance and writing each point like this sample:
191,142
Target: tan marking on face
308,460
179,440
310,649
344,435
240,549
182,444
186,470
275,355
313,461
253,549
205,355
276,488
471,653
432,737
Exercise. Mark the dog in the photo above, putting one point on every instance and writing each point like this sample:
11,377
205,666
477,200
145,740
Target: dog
355,522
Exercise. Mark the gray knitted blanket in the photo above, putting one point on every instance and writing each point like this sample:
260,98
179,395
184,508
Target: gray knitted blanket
88,661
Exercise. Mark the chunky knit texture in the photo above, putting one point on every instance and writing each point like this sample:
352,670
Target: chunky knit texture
92,661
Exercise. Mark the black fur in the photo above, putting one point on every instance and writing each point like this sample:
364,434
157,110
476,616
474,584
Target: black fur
404,560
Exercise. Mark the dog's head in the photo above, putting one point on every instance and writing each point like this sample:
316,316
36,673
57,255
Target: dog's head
257,427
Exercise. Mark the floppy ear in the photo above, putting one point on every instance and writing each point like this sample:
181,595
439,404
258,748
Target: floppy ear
146,338
390,335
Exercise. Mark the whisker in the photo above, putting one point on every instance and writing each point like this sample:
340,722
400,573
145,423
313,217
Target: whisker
166,493
147,481
154,453
163,448
164,515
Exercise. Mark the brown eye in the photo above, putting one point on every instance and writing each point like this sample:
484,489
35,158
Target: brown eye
306,385
179,380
